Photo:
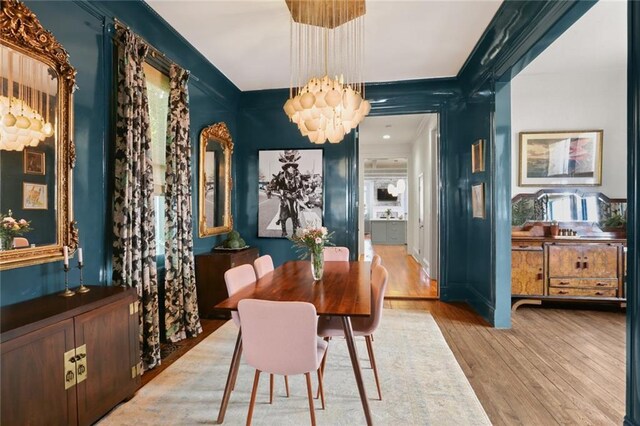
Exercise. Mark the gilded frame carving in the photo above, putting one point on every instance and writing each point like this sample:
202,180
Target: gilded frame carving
21,30
219,133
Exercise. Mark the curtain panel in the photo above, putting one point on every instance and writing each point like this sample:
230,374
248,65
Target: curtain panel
181,302
134,243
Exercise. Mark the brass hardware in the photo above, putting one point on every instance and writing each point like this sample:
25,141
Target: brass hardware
563,292
134,372
585,265
69,358
133,307
599,293
81,363
139,367
578,265
601,284
563,283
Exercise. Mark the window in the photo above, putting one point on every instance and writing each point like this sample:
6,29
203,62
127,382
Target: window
158,94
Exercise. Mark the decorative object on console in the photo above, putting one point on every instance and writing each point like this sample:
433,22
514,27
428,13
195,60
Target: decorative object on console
477,201
477,156
295,178
569,158
327,39
233,242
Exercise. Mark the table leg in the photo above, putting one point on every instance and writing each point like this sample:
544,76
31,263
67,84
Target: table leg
348,334
233,371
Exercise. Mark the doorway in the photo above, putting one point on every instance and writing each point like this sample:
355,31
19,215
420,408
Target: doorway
399,218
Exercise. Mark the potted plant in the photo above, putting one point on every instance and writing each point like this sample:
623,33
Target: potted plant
388,212
615,223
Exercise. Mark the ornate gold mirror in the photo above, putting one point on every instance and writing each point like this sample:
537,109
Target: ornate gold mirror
36,152
216,148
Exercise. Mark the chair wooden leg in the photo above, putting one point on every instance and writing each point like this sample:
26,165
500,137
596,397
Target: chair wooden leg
322,364
321,387
286,385
373,364
270,388
310,395
237,367
256,379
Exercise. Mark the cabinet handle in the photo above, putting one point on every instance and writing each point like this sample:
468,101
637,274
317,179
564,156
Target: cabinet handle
523,246
564,283
578,265
599,293
563,292
601,284
585,265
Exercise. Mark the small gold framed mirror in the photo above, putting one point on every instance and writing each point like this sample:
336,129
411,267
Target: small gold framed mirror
214,180
37,154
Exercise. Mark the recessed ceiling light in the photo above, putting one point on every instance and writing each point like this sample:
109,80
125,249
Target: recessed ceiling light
386,136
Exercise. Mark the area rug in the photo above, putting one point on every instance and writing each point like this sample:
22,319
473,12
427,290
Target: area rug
422,384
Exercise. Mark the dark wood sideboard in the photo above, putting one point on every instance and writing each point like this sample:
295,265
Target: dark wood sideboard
210,269
69,360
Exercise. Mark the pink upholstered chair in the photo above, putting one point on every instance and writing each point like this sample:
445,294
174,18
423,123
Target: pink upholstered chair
375,261
280,338
332,254
263,265
362,326
20,242
236,279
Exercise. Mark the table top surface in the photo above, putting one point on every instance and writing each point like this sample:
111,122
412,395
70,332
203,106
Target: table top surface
345,288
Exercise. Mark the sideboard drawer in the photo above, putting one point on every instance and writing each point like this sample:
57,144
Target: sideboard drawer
593,292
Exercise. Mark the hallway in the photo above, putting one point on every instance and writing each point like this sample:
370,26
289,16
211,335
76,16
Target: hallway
406,279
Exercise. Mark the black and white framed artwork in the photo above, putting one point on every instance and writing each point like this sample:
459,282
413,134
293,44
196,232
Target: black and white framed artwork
290,191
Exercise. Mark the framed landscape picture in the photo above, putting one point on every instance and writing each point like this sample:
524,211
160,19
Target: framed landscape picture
568,158
477,200
290,191
477,156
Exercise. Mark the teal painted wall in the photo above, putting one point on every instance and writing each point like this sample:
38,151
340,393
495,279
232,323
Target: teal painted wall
84,29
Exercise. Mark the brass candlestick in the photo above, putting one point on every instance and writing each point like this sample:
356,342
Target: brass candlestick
67,292
82,288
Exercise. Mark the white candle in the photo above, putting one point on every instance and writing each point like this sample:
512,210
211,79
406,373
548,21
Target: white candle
65,249
80,256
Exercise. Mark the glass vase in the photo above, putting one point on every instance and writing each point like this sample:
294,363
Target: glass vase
317,265
6,243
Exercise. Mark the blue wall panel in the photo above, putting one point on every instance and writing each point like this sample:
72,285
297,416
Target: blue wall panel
84,29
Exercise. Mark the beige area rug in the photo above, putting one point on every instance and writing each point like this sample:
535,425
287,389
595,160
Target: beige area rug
422,384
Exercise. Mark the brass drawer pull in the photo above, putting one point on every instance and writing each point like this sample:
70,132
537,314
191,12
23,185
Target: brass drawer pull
578,265
563,292
564,283
599,293
601,284
585,265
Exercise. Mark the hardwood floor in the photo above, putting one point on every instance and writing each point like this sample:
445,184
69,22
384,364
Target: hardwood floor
555,366
408,280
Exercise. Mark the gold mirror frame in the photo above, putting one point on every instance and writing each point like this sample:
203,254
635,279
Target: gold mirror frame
21,30
218,133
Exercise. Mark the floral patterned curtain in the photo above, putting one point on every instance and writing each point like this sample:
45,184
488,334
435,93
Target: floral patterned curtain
134,244
181,301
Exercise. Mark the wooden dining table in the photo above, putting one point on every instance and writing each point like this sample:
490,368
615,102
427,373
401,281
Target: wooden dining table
344,291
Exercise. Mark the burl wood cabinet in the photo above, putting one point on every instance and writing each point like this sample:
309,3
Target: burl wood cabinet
68,361
588,269
210,269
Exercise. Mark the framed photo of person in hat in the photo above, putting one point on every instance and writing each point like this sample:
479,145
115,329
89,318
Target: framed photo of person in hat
290,191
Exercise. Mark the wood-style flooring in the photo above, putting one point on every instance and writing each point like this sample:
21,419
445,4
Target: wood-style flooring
555,366
408,280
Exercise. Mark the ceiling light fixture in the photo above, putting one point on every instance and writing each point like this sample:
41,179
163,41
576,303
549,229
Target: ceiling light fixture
386,136
327,39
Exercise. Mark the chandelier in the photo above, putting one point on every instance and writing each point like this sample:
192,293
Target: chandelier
326,96
397,189
25,94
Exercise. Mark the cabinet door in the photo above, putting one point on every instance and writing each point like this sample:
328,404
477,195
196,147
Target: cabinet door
378,232
526,272
33,378
110,334
600,261
565,260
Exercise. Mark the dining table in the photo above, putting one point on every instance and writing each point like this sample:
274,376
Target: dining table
344,291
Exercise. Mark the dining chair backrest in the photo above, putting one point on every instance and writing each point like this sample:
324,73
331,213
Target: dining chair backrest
279,337
375,261
263,265
236,279
332,254
20,242
379,278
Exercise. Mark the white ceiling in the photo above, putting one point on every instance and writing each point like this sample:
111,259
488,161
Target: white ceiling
248,40
597,41
402,129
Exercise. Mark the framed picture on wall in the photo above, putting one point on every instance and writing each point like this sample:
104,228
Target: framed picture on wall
290,191
477,156
569,158
33,162
34,196
477,200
